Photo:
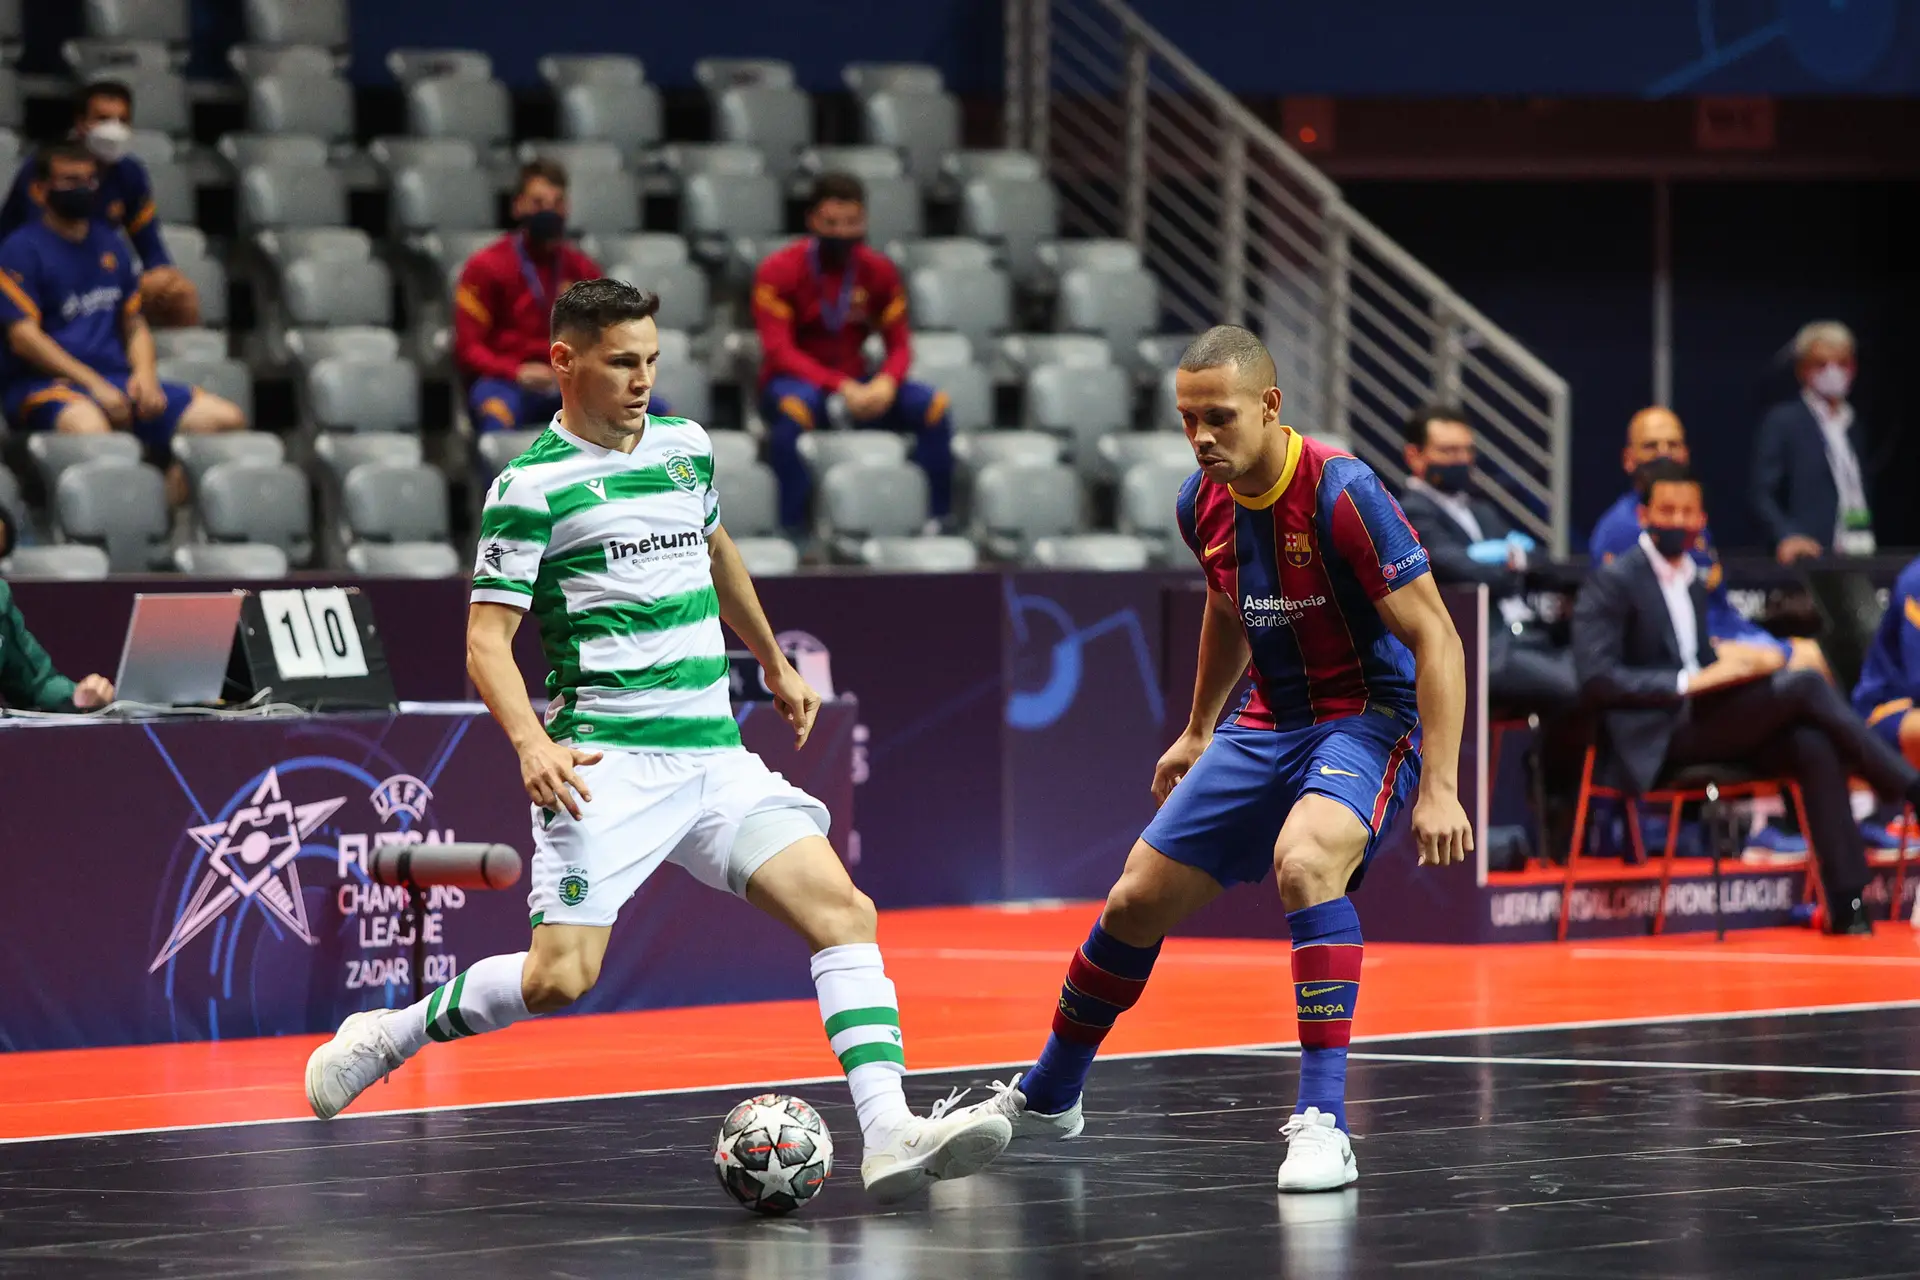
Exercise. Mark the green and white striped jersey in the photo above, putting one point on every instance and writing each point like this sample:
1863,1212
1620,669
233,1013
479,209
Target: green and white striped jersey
608,551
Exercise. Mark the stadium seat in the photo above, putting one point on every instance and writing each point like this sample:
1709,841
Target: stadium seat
968,387
937,347
455,107
1081,405
864,163
923,127
364,395
252,61
977,303
743,258
1124,450
199,454
920,555
947,252
97,58
979,450
864,79
1025,351
749,499
1016,504
777,120
247,561
412,66
404,560
119,506
718,208
440,198
12,115
340,452
1153,357
161,95
69,562
319,22
768,557
291,150
625,115
681,380
184,240
894,210
823,451
223,377
576,158
1120,306
1165,415
999,165
639,249
173,198
11,499
209,278
388,503
1106,552
717,74
1016,213
9,140
353,341
562,69
603,201
264,502
1062,256
685,296
732,450
153,147
322,292
1147,494
274,196
862,500
689,158
53,452
493,450
397,152
162,20
189,344
301,102
284,246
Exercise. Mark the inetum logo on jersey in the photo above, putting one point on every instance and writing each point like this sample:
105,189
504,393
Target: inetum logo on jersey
648,544
1276,611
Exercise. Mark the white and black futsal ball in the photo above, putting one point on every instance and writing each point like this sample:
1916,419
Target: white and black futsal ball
773,1153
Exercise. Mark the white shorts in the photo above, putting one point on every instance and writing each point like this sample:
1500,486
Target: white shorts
650,807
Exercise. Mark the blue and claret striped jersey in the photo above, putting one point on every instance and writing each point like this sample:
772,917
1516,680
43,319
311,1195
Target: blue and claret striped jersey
76,292
1305,563
1890,677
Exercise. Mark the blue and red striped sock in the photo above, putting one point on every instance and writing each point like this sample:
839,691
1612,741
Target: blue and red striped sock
1326,987
1104,978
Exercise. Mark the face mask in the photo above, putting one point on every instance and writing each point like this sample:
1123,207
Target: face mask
1670,540
835,250
110,141
545,227
1450,477
71,203
1832,381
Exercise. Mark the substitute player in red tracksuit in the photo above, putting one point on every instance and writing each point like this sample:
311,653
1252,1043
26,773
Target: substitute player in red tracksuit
814,303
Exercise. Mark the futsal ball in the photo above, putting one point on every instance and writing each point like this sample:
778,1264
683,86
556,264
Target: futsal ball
773,1153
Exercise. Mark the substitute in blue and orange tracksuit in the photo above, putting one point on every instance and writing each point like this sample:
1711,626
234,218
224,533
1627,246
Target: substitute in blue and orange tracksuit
1890,678
814,303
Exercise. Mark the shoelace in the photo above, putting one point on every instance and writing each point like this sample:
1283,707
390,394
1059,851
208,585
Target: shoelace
1297,1125
945,1104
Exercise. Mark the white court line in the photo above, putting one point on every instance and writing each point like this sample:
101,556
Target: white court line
1464,1059
984,1067
1737,957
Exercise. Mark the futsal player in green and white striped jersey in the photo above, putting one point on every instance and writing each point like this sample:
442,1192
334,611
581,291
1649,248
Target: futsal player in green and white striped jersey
607,532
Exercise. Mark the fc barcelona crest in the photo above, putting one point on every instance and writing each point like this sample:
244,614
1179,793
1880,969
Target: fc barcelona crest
1299,550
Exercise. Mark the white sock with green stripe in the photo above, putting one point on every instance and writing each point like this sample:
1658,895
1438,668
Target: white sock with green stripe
484,998
862,1014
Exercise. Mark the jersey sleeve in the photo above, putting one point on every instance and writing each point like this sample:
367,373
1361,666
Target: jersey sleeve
1906,598
1372,535
19,284
143,220
515,527
705,465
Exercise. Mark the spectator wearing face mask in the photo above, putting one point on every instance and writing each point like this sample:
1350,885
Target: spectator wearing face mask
1809,486
103,122
504,301
814,303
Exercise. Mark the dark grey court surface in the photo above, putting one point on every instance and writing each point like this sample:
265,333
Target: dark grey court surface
1754,1147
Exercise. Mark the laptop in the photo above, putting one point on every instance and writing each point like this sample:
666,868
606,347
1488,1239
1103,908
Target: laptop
177,648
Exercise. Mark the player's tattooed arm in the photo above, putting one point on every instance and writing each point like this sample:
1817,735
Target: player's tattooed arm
547,768
740,609
1419,620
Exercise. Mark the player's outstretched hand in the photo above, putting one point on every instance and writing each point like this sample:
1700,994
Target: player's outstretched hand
547,769
1174,764
1441,829
796,701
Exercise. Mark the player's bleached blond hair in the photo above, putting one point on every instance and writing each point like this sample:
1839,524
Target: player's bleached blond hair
1226,344
1831,332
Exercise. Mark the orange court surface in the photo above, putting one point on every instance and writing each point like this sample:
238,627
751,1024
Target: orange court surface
977,986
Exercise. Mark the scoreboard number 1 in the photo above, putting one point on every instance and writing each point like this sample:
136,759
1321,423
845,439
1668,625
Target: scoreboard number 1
313,634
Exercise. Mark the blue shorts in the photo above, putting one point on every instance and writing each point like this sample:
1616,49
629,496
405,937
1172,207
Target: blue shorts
1226,813
501,404
34,405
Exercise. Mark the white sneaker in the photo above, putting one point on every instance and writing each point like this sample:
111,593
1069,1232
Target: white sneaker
1319,1157
1008,1101
344,1067
940,1147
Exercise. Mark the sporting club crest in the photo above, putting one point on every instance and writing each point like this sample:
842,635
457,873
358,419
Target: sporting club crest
680,471
1298,548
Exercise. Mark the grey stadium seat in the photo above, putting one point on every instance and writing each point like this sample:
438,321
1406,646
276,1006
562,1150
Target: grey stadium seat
411,66
271,196
1147,494
731,205
1124,450
689,158
340,452
292,101
164,20
224,377
923,127
438,198
384,503
120,507
778,120
864,163
454,107
69,562
284,245
974,302
749,499
152,147
968,386
1106,552
1165,415
867,78
732,449
321,292
404,560
982,449
998,164
199,454
1016,213
823,451
562,69
11,500
12,113
352,341
364,395
681,380
640,249
920,555
575,157
268,502
894,211
1014,505
1120,306
53,453
1062,256
686,300
1072,350
251,61
173,198
1152,357
396,152
626,115
743,260
716,74
9,140
947,252
321,22
859,501
495,449
936,347
1080,404
605,201
209,278
768,557
98,58
251,561
161,97
184,240
299,150
190,344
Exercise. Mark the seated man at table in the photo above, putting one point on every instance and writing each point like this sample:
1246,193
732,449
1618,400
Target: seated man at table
1890,677
814,303
1655,432
28,680
1668,700
80,358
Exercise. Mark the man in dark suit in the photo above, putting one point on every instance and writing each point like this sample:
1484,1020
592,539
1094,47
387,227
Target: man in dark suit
1644,656
1809,483
1470,540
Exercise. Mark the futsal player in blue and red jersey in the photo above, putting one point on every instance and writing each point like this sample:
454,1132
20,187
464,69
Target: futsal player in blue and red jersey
1316,579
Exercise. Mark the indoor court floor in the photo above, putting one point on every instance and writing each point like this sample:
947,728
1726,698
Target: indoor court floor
1638,1107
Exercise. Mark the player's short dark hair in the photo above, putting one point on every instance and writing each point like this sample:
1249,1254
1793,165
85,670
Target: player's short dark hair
1226,344
836,186
118,90
594,306
1415,428
1662,471
75,151
546,170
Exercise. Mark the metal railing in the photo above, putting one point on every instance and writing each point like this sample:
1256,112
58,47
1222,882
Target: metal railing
1240,228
